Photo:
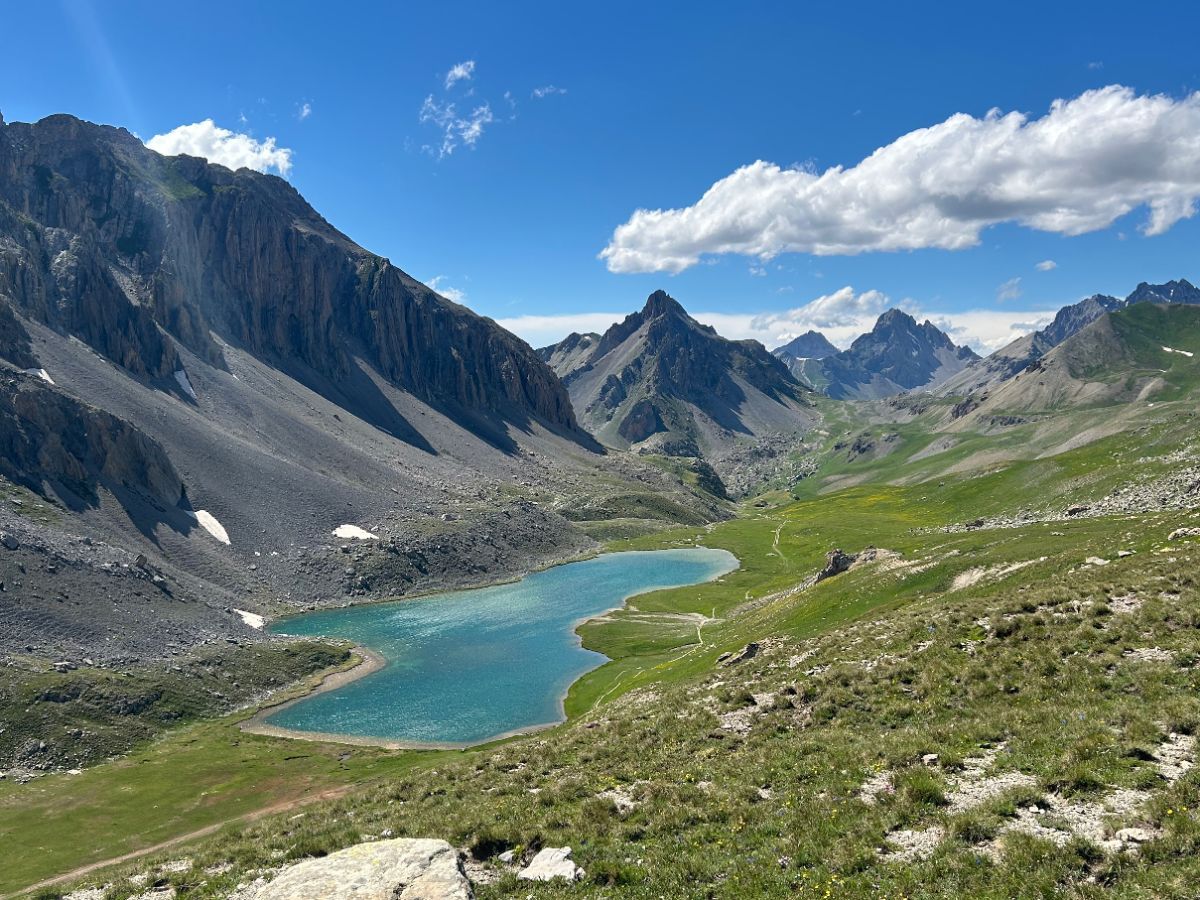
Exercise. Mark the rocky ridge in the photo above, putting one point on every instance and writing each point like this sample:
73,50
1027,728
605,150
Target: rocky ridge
661,382
897,355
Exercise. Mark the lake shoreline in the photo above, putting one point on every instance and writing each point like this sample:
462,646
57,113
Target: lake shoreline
373,661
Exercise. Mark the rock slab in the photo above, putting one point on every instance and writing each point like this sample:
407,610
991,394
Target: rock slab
551,863
400,869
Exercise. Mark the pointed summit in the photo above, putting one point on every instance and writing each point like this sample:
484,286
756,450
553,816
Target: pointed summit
810,345
659,304
664,383
896,355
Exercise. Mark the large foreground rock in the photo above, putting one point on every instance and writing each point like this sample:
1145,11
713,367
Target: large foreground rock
401,869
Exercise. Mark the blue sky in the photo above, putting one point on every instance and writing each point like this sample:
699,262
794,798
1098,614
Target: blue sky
566,120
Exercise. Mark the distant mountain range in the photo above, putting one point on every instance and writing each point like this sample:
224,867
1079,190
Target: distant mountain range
895,356
661,381
1070,320
1139,352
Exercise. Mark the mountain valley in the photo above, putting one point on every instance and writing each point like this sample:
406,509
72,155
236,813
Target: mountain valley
957,656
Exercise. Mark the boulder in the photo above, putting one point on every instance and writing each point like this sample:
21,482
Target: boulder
836,562
748,652
1173,536
10,542
551,863
398,869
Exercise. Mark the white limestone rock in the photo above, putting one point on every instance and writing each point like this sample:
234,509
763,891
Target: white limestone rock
398,869
551,863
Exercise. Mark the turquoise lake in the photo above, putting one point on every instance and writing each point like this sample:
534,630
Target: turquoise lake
467,666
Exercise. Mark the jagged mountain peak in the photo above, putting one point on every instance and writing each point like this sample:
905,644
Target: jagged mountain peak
1177,291
662,381
896,355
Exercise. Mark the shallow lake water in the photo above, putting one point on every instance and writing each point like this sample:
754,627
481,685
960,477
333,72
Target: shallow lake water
467,666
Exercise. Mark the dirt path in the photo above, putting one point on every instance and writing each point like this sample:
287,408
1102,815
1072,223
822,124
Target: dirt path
775,545
282,806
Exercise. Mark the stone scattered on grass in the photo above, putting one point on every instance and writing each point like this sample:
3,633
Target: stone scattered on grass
1149,654
551,863
909,845
873,787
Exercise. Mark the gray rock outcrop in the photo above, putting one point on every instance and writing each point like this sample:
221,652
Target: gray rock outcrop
399,869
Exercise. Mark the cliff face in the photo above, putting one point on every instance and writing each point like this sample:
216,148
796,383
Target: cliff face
125,249
47,437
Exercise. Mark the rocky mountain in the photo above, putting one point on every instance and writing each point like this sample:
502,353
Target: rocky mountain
198,372
810,345
802,355
1070,320
1181,291
661,382
1010,359
1140,352
136,255
897,355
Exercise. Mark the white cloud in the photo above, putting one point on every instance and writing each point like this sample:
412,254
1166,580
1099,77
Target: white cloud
464,71
305,111
547,90
1078,168
986,330
841,316
541,331
438,283
1046,265
457,130
227,148
1010,290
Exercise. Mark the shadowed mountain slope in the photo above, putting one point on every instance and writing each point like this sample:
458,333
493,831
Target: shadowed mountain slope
220,379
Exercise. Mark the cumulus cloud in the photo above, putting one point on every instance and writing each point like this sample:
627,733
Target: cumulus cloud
457,129
305,111
841,316
222,146
438,283
547,90
1078,168
1046,265
464,71
1010,290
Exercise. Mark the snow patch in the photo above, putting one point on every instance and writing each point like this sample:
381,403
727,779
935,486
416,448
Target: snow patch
209,523
186,385
254,620
353,531
40,373
1187,353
